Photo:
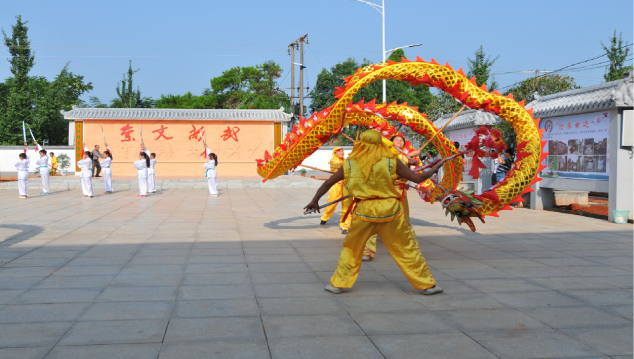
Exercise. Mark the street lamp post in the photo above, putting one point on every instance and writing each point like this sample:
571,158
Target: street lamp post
381,10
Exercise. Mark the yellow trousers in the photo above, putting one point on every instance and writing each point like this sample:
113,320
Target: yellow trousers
337,191
399,239
370,245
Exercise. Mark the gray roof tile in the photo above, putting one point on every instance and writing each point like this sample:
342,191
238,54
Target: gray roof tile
618,93
466,119
175,114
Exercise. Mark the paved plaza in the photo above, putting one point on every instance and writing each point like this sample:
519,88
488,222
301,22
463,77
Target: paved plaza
183,275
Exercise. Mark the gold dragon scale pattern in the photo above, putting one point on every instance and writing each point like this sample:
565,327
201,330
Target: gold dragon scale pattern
314,131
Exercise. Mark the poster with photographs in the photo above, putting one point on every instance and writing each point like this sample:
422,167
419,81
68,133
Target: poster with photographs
577,146
463,137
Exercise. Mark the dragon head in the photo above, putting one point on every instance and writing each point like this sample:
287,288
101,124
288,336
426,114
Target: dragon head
461,205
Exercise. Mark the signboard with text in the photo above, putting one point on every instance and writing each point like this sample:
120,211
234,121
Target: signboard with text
577,146
463,137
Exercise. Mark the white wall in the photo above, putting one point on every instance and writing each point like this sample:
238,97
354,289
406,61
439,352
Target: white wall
322,156
9,157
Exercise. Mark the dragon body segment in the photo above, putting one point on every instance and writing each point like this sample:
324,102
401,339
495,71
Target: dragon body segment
314,131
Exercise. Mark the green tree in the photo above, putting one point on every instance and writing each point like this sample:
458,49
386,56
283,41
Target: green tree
34,99
542,86
249,87
18,101
480,67
187,100
526,90
127,97
95,102
617,54
440,105
51,97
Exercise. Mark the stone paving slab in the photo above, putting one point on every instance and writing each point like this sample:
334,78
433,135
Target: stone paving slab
180,274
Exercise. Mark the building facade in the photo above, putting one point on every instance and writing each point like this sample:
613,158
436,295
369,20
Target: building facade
589,133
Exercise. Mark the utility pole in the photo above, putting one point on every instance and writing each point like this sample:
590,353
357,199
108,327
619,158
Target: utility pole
298,44
291,51
301,73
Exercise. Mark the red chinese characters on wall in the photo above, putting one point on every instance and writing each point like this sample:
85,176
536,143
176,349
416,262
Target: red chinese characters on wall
230,133
161,133
126,131
196,134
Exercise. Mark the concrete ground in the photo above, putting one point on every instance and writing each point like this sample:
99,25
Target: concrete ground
183,275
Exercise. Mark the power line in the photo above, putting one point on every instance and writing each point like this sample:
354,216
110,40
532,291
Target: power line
596,57
348,48
315,56
132,46
565,67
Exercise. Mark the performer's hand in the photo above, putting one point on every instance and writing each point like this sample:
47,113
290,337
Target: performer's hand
412,161
313,205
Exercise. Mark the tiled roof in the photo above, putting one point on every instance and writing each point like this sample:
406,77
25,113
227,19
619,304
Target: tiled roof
466,119
174,114
618,93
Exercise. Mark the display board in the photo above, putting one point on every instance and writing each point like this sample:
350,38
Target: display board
463,137
577,146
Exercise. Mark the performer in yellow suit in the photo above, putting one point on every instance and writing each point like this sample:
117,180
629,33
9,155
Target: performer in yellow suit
398,142
54,164
337,191
369,174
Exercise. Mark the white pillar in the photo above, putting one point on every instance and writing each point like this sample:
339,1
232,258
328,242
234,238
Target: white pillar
621,165
71,133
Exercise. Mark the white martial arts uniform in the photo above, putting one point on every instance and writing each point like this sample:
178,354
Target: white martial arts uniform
86,176
151,184
107,173
141,167
45,171
23,175
210,166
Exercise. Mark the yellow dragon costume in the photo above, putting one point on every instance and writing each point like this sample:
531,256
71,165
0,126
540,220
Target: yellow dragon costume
337,191
314,131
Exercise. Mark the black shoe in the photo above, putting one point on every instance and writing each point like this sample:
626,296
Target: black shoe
322,223
344,231
97,176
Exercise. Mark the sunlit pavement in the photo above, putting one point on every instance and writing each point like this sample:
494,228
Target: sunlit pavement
183,275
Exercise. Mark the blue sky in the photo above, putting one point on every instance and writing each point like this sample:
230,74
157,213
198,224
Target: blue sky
180,46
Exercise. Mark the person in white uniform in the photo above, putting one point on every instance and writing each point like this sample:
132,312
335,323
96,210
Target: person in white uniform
45,171
23,173
151,172
142,164
210,166
85,165
105,162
